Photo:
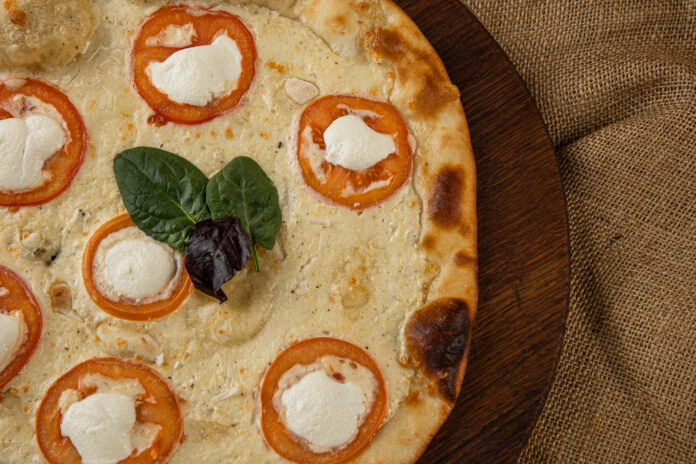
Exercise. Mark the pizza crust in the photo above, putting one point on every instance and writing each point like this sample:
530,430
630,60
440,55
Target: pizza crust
445,178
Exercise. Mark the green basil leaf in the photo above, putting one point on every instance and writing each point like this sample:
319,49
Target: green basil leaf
163,193
242,190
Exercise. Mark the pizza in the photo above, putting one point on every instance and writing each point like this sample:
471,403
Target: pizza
232,232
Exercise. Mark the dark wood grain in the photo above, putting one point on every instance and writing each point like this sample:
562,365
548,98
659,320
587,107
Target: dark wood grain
523,246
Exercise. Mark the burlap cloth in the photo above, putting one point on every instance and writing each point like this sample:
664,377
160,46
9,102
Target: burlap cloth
615,81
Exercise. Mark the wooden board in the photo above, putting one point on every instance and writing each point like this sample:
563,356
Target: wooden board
523,246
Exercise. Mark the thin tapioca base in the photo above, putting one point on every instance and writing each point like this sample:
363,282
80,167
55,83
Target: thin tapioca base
417,246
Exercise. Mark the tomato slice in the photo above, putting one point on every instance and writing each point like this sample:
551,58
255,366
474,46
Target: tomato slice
159,406
343,186
126,308
64,164
307,352
18,297
208,24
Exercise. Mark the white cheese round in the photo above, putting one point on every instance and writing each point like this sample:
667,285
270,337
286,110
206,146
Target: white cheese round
129,264
324,411
25,145
12,330
173,36
354,145
198,75
100,426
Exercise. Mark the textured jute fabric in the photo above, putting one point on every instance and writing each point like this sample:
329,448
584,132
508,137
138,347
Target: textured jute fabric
615,81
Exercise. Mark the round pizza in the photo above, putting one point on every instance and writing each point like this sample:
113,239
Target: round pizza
232,232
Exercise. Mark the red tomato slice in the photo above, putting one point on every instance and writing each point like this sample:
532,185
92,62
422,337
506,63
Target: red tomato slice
160,406
307,352
19,298
125,308
208,24
64,164
344,186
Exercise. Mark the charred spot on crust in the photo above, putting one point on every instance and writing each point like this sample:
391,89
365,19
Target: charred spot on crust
445,197
462,259
429,242
437,337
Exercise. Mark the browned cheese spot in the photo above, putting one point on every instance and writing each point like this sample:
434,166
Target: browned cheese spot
437,338
444,204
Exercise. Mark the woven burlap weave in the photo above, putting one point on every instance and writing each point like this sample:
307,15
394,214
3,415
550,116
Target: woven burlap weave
615,81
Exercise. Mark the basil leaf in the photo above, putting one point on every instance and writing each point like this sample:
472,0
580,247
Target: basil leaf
242,190
163,193
216,251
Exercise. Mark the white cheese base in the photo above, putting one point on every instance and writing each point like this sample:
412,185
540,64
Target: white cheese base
299,90
25,145
12,330
198,75
354,145
129,264
325,403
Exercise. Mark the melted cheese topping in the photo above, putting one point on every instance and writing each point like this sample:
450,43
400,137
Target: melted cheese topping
198,75
173,36
12,330
100,426
129,264
325,402
25,144
300,91
354,145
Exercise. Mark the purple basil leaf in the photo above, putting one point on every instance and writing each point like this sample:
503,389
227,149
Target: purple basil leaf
216,251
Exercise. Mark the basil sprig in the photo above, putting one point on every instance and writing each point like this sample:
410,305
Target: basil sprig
171,200
242,190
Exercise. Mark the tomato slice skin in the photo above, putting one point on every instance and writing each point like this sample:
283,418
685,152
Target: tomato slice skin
306,352
124,308
208,24
162,408
66,162
20,298
334,179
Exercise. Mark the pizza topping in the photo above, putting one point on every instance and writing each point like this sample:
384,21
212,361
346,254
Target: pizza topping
42,142
172,201
20,325
25,145
129,342
100,426
354,145
300,91
129,264
322,400
211,71
12,332
131,276
173,36
353,151
325,402
107,410
192,64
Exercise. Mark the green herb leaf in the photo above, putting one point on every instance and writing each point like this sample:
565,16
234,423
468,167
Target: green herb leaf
163,193
242,190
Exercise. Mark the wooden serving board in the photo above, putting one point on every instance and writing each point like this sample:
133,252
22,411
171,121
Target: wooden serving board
523,246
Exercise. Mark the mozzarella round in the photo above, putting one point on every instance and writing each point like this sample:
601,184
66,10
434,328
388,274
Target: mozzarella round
354,145
100,426
129,264
25,145
198,75
324,411
12,329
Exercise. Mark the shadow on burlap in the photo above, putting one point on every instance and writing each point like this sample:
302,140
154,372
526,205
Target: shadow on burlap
615,81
